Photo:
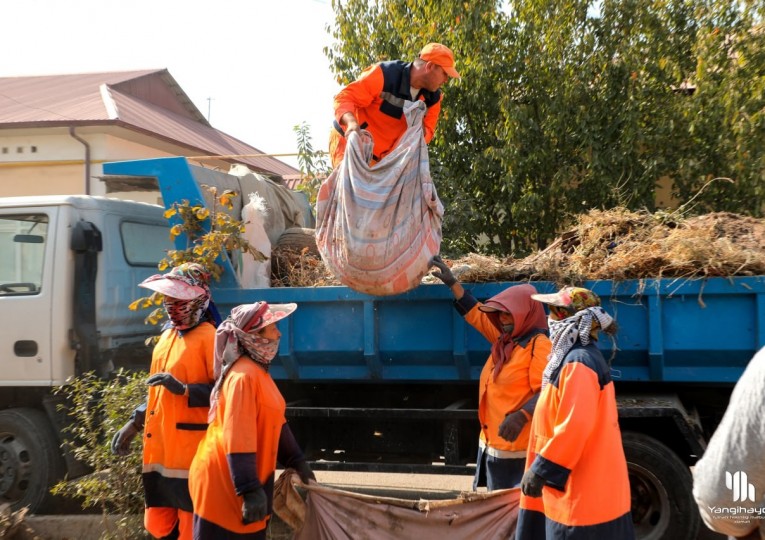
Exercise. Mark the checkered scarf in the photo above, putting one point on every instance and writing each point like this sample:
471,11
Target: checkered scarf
565,333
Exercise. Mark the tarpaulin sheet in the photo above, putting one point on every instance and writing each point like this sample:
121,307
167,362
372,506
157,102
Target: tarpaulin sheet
333,514
378,227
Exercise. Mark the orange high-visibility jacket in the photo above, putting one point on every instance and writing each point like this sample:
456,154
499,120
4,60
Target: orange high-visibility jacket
576,446
175,425
248,420
377,97
519,379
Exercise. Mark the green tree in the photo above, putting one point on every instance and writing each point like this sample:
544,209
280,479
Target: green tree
209,232
568,105
314,167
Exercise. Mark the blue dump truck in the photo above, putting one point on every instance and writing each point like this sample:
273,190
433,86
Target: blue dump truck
390,383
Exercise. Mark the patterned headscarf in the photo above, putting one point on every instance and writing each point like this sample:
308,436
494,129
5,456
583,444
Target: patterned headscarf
186,289
572,313
528,315
238,335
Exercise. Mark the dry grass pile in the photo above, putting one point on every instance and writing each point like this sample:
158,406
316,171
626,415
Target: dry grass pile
299,268
615,244
620,244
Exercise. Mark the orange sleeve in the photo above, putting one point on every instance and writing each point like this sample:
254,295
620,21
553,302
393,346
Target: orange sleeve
209,356
241,410
360,93
431,119
481,322
576,415
541,350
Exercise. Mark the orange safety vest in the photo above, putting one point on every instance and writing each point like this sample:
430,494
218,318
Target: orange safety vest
576,446
173,427
376,98
248,420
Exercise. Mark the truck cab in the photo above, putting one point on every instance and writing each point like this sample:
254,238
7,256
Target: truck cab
69,269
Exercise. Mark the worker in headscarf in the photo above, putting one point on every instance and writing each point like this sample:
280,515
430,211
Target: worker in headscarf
180,381
232,476
576,465
511,378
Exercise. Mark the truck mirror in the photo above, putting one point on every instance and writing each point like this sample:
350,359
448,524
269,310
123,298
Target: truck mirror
86,237
28,239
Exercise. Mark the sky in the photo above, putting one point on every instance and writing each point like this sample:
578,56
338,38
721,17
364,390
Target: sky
256,66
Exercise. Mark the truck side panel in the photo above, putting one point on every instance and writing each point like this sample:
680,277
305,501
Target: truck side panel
671,331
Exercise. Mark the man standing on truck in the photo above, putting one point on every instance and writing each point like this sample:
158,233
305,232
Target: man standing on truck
180,382
375,101
510,381
575,462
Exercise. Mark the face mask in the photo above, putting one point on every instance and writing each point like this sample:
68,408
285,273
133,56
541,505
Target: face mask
269,350
185,314
508,328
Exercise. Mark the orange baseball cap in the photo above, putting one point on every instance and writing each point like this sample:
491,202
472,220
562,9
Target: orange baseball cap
441,55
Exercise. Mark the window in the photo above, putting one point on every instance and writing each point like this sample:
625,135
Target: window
22,243
145,244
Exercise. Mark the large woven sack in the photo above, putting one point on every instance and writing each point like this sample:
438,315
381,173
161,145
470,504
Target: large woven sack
378,227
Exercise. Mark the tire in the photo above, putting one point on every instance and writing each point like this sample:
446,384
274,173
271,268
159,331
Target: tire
298,238
30,460
661,486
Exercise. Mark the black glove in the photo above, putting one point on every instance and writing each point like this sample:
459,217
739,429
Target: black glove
168,381
512,425
532,484
305,472
122,439
444,273
254,506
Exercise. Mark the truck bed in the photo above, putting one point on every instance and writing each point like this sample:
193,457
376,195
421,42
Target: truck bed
670,330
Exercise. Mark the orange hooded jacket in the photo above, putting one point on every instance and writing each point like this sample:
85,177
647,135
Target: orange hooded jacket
576,447
507,387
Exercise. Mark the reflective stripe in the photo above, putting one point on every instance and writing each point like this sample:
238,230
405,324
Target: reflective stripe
393,100
167,473
502,454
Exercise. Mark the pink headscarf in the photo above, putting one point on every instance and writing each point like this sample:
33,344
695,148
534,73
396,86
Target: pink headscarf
528,315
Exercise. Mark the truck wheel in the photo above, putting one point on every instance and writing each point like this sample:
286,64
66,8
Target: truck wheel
30,460
298,238
661,487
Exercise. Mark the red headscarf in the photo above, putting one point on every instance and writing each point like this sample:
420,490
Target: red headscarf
528,315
